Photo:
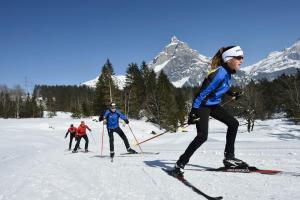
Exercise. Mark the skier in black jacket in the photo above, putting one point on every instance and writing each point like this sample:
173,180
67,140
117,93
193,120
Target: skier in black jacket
72,130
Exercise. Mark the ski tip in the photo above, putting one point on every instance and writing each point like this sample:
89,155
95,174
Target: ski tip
218,198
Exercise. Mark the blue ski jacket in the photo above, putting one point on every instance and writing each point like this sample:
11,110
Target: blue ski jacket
216,83
113,118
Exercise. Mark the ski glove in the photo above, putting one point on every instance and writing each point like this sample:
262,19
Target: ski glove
194,116
126,121
237,95
101,118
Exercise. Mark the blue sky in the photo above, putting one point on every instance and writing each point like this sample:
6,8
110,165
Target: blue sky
68,41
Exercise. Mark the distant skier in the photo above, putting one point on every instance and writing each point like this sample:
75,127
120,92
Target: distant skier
72,130
81,133
111,118
207,103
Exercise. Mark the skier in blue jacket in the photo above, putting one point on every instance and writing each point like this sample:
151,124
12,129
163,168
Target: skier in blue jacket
207,103
111,118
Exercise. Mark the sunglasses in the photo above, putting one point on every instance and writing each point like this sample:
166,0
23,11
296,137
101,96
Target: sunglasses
239,57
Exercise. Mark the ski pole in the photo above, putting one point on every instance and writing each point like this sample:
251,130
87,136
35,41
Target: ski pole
102,139
135,139
151,138
184,125
233,98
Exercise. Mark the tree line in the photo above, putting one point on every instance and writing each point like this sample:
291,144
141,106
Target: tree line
262,99
66,98
145,94
152,96
15,103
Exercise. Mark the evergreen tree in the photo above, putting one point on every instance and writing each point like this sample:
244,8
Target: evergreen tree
167,103
134,91
76,112
105,88
86,109
181,104
290,87
25,111
51,106
151,103
270,100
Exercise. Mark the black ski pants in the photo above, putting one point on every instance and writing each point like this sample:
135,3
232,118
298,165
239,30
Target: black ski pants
220,114
85,137
111,138
72,136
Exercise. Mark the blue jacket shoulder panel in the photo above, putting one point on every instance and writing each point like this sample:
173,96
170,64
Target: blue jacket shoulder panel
106,113
210,83
214,86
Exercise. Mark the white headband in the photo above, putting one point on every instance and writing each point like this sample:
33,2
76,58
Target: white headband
233,52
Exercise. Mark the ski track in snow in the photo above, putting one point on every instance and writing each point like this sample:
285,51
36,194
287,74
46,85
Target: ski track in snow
35,165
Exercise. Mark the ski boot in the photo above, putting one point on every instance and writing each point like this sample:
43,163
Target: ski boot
130,150
112,154
178,170
86,151
232,162
74,151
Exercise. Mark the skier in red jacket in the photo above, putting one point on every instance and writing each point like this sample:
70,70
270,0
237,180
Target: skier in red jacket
72,130
81,133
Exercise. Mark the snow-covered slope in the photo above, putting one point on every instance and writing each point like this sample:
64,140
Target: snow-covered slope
275,64
34,164
183,65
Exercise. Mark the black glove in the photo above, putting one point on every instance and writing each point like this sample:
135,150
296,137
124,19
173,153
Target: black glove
194,116
101,118
126,121
237,95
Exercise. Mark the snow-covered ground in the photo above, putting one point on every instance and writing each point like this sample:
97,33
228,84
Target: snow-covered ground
35,165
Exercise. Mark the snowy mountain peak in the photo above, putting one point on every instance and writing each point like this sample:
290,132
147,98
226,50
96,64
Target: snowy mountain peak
186,67
174,43
183,65
119,80
276,63
174,39
296,47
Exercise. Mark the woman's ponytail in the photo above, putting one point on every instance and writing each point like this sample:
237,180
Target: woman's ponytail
217,59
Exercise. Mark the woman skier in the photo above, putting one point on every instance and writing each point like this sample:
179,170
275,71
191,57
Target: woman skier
207,103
